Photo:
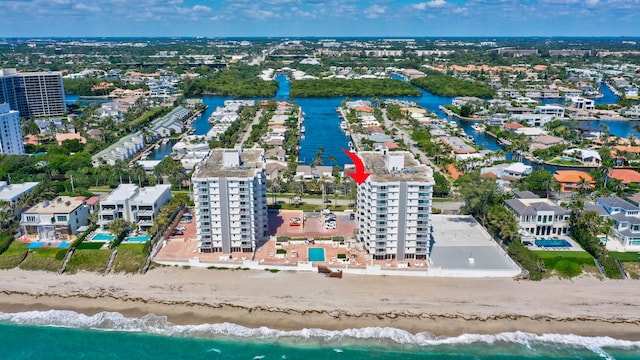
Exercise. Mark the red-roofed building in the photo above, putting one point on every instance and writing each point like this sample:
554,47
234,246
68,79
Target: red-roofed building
569,179
513,126
453,171
70,136
364,109
390,145
626,176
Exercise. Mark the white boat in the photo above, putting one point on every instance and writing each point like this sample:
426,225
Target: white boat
347,133
350,145
344,125
478,127
302,129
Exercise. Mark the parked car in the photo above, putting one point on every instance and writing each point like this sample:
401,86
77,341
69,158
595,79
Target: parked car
330,225
327,201
176,233
181,228
295,221
352,216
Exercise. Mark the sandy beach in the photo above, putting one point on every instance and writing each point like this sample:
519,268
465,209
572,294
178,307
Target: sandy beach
289,301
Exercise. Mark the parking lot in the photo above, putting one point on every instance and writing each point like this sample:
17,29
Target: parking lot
313,224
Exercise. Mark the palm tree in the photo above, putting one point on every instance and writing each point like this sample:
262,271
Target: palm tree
331,159
583,185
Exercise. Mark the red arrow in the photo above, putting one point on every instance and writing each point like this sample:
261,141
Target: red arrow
360,175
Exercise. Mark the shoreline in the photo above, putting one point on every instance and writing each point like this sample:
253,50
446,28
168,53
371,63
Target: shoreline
288,301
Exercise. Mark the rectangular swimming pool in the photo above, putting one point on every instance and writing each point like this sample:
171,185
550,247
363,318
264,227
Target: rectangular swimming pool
103,237
316,254
137,239
552,243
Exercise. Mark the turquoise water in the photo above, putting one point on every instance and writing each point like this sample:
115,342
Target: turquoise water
38,244
316,254
138,239
112,336
552,243
103,237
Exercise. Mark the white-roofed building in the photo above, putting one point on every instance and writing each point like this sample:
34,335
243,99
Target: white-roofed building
134,204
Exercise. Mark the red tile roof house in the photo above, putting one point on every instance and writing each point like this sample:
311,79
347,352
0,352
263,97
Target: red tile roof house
569,179
626,176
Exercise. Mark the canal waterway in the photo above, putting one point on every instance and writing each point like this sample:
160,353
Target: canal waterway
322,123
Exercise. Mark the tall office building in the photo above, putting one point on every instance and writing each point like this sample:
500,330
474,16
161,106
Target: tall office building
33,94
230,193
10,131
394,206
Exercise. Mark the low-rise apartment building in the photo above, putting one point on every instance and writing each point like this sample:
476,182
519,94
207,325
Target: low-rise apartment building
134,204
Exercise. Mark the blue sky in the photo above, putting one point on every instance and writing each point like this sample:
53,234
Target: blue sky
325,18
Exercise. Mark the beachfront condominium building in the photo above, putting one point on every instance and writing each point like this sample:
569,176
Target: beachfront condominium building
230,194
11,141
134,204
55,220
394,206
33,94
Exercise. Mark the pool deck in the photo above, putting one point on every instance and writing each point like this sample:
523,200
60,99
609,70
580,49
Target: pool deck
573,246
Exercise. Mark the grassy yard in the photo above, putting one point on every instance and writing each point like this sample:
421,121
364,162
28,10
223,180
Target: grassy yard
13,256
90,245
130,258
567,263
47,259
630,262
88,260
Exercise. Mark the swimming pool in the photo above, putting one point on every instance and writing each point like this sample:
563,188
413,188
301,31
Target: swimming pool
316,254
41,244
552,243
103,237
138,239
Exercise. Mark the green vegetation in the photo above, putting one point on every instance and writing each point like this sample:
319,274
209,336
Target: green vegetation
130,258
46,259
528,259
359,87
88,260
147,118
566,263
626,256
90,246
13,255
281,251
237,81
445,85
585,226
83,86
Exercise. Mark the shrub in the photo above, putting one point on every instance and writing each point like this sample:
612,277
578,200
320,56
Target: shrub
281,251
568,268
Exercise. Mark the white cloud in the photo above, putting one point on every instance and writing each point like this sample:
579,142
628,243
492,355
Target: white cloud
430,4
374,11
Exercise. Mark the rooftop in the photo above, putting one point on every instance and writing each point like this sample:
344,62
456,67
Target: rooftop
150,193
250,161
59,205
122,193
376,164
572,176
9,192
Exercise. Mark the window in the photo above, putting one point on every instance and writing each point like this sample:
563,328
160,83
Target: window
61,218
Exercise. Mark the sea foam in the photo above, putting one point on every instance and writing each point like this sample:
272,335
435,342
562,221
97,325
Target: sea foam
113,321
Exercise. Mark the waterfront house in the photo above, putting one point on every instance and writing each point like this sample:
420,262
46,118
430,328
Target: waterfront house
457,145
587,157
55,220
626,217
581,103
12,193
544,142
570,179
505,174
553,110
626,176
537,216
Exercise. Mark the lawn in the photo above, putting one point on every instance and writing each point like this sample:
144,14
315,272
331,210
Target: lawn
90,245
88,260
626,256
14,255
567,263
47,259
130,258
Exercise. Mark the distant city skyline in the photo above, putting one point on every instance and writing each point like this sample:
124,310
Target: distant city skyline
251,18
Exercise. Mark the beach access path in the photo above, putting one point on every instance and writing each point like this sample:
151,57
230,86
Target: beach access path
287,300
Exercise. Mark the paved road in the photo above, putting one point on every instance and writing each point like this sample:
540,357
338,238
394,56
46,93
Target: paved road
247,130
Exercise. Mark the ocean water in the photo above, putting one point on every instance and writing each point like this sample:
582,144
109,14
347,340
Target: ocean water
68,335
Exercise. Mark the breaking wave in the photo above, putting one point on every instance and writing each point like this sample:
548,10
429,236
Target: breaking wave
153,324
